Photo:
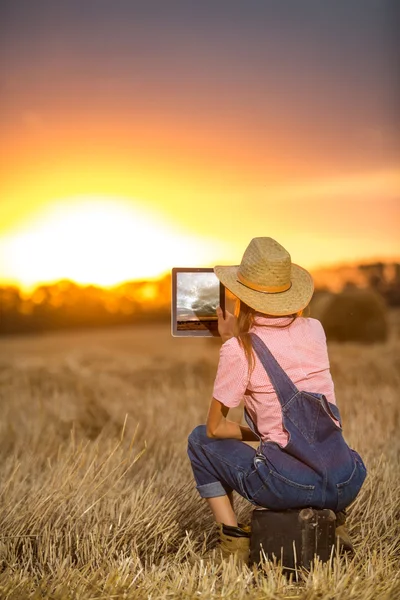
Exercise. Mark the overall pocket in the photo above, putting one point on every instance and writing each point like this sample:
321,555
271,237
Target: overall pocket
289,493
347,491
263,486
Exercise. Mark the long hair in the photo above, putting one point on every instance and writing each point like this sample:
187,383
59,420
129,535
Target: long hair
245,319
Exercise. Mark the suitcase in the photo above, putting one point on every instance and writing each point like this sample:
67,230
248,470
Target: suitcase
292,536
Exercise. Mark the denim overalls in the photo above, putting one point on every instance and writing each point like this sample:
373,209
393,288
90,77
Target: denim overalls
316,468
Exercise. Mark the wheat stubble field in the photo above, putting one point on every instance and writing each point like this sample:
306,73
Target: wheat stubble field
98,499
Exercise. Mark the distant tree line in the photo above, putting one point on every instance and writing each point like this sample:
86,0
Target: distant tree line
68,305
384,279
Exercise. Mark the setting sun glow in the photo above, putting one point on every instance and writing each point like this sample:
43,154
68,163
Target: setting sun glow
134,140
94,241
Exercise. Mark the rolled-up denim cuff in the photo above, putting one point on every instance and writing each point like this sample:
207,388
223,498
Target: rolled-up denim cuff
210,490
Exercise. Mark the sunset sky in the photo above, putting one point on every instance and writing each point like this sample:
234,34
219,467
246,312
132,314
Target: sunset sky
141,135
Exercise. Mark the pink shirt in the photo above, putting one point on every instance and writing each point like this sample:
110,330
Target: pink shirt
301,351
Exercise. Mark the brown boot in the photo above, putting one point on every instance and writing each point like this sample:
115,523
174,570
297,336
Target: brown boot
345,543
229,545
342,535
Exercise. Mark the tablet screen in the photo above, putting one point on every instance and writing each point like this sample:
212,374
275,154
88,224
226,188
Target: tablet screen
196,293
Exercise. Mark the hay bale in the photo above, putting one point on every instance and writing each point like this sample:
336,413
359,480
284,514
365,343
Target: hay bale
355,315
319,303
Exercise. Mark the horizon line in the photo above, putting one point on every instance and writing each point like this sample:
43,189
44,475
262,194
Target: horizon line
29,289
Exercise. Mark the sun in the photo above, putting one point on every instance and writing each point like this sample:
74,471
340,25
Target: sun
102,241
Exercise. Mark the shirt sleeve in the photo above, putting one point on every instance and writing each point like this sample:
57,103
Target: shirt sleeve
318,330
232,374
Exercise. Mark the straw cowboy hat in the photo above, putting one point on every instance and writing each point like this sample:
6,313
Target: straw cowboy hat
267,280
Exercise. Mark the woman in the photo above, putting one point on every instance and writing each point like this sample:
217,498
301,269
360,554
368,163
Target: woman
276,360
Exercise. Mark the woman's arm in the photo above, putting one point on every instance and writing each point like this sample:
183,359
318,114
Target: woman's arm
218,426
226,325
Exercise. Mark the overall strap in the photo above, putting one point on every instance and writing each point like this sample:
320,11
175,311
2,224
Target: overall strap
283,385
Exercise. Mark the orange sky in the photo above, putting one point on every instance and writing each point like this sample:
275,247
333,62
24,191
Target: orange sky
196,136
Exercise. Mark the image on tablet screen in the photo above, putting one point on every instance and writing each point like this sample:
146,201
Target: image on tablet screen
196,295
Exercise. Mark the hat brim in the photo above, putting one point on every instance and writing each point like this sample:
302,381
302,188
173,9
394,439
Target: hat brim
277,304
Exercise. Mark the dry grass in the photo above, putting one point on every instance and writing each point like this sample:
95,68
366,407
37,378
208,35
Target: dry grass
96,504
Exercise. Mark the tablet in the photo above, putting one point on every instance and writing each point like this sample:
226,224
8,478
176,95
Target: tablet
196,293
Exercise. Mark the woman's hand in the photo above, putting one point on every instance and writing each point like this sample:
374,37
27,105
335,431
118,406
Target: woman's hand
227,325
